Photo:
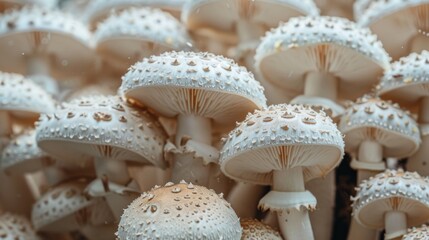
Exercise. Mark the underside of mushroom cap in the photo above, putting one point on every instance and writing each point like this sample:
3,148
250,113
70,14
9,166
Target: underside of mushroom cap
201,84
104,127
254,229
387,18
407,80
328,45
134,33
179,211
278,138
51,32
16,227
371,118
22,98
392,191
417,233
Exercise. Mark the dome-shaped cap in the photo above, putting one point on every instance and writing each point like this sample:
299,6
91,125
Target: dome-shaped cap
406,80
371,118
254,229
67,41
101,126
22,155
417,233
22,97
324,44
126,37
15,227
61,208
179,211
202,84
282,137
374,198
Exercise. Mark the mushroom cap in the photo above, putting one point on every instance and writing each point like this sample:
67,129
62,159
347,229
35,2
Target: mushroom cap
278,138
254,229
15,227
420,233
62,209
387,18
202,84
324,44
22,98
126,37
179,211
268,13
392,191
104,127
371,118
406,80
66,41
22,155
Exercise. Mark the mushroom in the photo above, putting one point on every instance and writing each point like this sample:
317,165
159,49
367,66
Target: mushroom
126,37
359,7
179,211
393,200
45,44
202,91
16,227
338,8
284,146
406,83
11,4
419,233
107,130
254,229
410,18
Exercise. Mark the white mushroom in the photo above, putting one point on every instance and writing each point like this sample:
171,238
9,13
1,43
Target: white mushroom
254,229
417,233
15,227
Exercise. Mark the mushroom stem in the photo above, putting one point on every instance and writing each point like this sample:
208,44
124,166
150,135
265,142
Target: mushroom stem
115,171
294,222
321,84
419,43
37,65
244,198
359,232
185,167
424,110
369,152
248,31
5,128
395,224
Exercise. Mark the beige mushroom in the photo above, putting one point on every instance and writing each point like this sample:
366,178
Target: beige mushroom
254,229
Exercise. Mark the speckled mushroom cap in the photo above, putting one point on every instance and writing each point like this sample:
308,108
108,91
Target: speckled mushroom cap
387,18
371,118
15,227
278,138
101,126
194,83
22,98
322,44
97,10
66,41
22,155
420,233
268,13
62,209
406,80
179,211
127,37
255,230
392,191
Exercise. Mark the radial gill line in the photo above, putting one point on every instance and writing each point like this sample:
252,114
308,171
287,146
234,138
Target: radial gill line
246,8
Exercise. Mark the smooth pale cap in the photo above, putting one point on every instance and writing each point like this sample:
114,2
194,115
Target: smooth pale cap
417,233
278,138
23,98
387,18
60,209
134,33
66,41
373,119
392,191
329,45
256,230
406,80
22,155
202,84
103,127
179,211
15,227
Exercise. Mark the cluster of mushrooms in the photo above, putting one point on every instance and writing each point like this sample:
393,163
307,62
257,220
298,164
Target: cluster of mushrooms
213,119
